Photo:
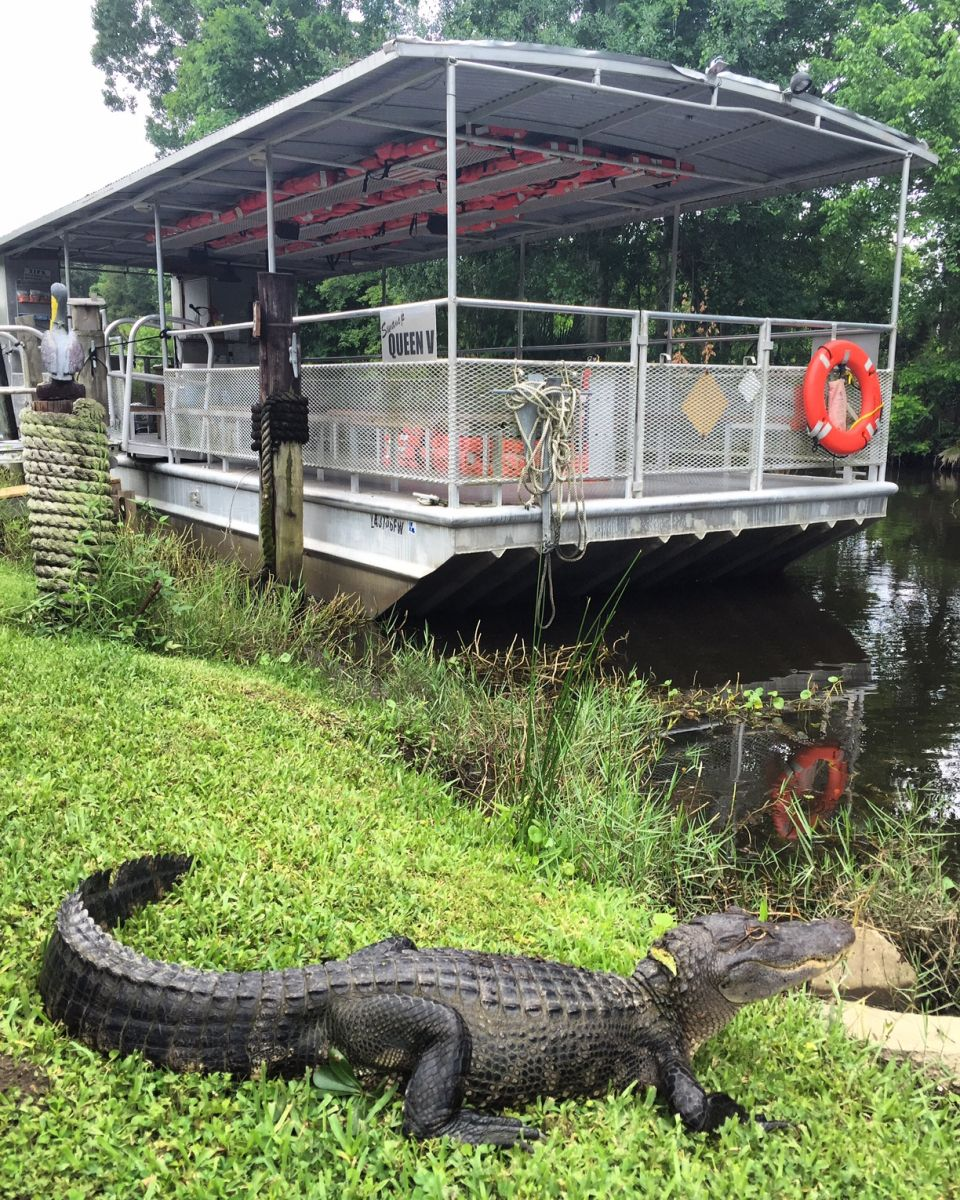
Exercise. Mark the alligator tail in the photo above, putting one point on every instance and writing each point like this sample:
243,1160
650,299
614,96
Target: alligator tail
137,882
112,998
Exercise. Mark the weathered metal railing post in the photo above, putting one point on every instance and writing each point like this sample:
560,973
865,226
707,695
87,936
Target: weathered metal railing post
632,434
283,430
642,337
765,349
453,439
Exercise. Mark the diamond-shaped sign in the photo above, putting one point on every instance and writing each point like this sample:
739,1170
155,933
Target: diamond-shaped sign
705,405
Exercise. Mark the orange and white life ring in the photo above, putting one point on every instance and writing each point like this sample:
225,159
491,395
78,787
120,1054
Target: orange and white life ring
799,781
828,433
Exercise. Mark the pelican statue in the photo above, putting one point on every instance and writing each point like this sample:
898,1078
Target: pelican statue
60,348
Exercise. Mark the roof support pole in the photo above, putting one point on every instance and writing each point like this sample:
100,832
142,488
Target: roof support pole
898,260
271,217
521,292
453,443
66,274
161,302
674,251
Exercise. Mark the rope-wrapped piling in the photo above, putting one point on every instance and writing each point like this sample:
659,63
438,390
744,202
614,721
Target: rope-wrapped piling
282,417
66,466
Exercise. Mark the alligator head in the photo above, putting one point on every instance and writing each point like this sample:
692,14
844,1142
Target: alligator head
714,964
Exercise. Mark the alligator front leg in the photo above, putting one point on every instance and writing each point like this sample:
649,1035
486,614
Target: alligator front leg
699,1110
430,1042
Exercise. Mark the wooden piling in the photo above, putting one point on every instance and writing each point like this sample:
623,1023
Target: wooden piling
277,299
88,326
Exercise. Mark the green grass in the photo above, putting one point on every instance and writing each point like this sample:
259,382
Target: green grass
313,837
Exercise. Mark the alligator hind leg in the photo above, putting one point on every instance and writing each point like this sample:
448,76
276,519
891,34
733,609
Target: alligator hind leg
430,1043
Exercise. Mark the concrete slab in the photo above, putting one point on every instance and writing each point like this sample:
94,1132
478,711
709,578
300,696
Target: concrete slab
873,969
917,1036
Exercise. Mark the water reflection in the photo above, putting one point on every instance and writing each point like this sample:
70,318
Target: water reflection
773,780
896,587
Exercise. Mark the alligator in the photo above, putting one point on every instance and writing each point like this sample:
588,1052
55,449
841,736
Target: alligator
454,1026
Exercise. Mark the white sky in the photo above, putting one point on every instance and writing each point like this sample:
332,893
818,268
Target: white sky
49,83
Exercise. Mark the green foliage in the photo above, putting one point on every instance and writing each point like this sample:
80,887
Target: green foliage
901,63
204,63
157,590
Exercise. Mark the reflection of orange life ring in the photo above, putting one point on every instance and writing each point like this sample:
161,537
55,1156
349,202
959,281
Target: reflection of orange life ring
798,781
854,358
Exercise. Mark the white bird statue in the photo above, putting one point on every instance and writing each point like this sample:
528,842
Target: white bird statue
60,348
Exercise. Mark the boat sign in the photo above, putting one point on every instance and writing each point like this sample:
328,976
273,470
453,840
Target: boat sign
409,332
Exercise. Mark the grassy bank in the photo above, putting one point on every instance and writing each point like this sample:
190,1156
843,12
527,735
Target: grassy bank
314,837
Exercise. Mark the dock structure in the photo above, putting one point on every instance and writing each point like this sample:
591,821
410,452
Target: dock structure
438,471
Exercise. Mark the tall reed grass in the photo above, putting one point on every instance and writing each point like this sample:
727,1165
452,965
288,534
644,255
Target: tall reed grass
158,589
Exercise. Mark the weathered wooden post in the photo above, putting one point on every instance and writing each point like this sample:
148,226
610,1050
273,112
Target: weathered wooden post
280,418
88,326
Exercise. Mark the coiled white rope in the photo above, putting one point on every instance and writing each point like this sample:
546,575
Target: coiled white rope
550,459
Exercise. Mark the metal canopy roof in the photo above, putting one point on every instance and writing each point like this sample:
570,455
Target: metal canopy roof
550,141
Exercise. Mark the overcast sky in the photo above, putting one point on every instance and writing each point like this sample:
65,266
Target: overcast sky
50,85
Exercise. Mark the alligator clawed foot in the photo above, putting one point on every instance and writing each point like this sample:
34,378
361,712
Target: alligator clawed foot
485,1129
722,1108
769,1126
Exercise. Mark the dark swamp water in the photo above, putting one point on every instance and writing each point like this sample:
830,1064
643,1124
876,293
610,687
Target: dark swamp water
880,611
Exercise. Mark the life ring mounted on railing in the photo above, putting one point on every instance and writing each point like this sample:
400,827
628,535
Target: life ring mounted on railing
799,782
823,424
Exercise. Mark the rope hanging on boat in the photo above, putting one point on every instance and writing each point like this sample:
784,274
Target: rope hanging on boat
550,460
66,466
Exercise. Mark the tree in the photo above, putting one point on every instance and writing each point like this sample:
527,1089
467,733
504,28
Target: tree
204,63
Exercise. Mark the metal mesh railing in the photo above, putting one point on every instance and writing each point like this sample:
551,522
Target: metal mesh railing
392,419
208,411
787,444
699,418
705,418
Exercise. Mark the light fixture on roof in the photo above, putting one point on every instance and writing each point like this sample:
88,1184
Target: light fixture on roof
716,64
258,158
142,206
801,83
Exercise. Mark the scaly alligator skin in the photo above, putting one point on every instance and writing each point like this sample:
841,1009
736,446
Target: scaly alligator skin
456,1025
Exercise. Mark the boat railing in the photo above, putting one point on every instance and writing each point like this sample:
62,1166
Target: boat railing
677,395
136,393
20,386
